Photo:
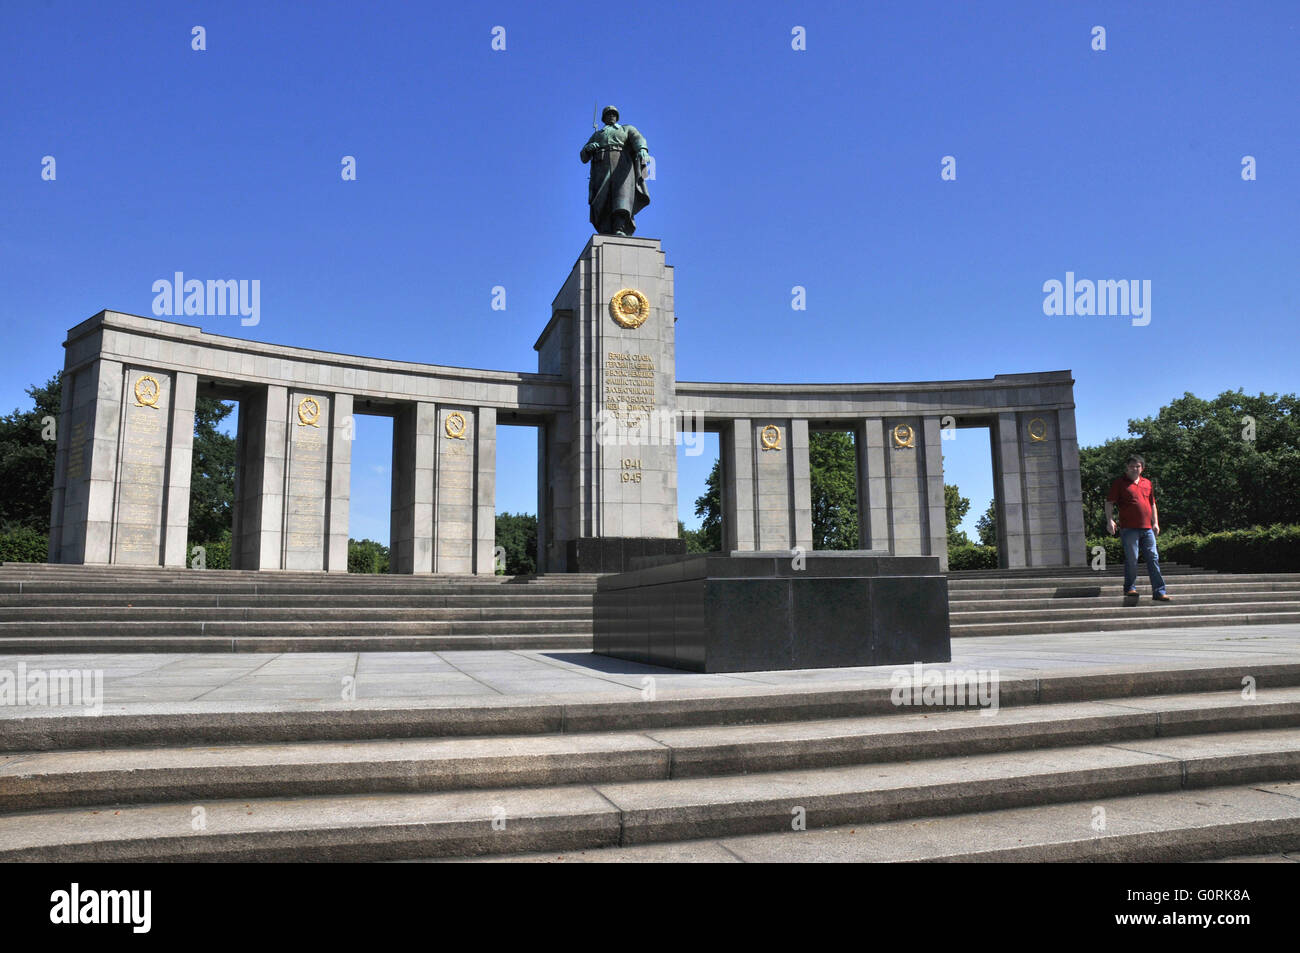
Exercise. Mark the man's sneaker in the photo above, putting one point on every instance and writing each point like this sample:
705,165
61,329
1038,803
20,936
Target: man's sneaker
1130,592
1161,597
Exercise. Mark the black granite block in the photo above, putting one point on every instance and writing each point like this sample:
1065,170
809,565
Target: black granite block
749,624
745,613
910,620
831,628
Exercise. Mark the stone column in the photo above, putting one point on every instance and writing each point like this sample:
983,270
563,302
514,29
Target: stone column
774,444
176,506
411,524
937,517
1046,525
1072,491
873,486
738,509
339,483
258,538
801,484
905,471
306,486
485,484
1007,486
90,424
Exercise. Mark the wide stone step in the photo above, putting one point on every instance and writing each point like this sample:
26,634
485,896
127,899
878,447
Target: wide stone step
530,615
1095,595
1117,600
272,590
38,779
1207,824
324,627
1083,581
1143,608
24,645
523,603
180,724
962,629
389,826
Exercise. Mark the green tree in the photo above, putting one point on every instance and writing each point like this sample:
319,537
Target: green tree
27,458
1222,464
709,506
367,556
517,534
692,538
955,508
212,472
833,468
987,525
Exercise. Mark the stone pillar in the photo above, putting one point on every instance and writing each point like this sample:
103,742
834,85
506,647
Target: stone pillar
738,509
1072,491
485,484
83,415
306,485
90,422
1047,526
258,536
937,517
614,317
914,469
339,485
176,506
444,489
453,490
801,485
1007,485
63,439
779,446
873,487
411,523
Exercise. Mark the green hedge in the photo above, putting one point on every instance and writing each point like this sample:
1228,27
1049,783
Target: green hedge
216,554
21,544
1259,549
972,557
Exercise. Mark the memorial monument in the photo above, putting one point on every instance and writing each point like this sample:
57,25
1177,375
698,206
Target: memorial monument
607,405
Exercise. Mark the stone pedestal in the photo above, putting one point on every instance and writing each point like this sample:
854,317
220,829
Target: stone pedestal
612,456
754,612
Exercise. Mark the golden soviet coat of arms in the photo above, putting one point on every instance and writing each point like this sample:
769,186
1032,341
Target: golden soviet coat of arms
630,308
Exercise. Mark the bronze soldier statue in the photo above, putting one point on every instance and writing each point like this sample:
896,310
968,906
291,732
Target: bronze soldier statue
616,191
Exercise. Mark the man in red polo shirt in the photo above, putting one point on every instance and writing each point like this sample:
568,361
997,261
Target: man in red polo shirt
1138,525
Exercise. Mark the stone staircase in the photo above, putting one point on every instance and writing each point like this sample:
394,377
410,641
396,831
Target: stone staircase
1010,602
45,608
1138,765
118,609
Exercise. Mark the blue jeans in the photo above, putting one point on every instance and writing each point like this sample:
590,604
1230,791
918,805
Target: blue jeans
1131,538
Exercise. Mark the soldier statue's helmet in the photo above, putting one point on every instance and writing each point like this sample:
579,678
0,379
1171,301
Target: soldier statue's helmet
605,113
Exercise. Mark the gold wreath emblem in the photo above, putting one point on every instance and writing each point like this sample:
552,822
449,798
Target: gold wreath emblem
1038,430
308,412
903,437
147,391
630,308
455,426
770,436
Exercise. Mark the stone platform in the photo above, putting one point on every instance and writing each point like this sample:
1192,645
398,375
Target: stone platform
753,612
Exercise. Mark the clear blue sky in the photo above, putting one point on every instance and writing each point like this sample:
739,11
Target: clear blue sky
775,167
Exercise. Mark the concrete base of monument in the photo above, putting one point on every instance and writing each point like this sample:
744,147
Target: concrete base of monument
616,553
765,611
